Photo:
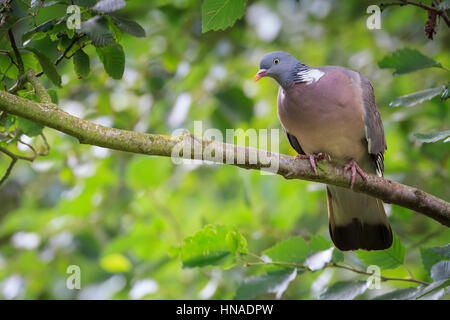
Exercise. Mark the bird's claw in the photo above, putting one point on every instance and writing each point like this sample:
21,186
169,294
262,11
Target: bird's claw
353,166
313,158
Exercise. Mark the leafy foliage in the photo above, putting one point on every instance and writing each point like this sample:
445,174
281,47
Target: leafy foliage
407,60
195,230
433,136
344,290
212,245
221,14
272,282
387,259
113,59
47,66
81,63
416,97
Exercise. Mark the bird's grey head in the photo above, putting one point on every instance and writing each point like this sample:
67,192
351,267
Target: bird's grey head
278,65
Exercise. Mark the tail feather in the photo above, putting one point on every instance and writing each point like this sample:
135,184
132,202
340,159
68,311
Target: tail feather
357,221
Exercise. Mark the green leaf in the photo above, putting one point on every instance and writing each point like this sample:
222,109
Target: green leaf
7,120
81,63
444,5
386,259
400,294
431,256
272,282
416,97
97,30
109,5
432,288
432,136
338,255
211,246
344,290
47,66
113,59
28,127
319,243
221,14
293,250
43,27
128,26
407,60
441,270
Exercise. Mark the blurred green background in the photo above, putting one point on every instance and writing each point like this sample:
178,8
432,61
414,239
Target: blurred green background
118,215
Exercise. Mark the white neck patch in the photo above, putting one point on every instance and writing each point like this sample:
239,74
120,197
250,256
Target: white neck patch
311,75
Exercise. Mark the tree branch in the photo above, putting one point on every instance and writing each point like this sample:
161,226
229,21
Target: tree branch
163,145
424,6
331,265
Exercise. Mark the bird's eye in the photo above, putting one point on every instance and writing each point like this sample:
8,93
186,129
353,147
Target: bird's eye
276,60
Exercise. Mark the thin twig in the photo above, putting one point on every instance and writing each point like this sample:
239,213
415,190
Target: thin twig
335,265
8,170
17,156
440,12
63,55
16,52
331,265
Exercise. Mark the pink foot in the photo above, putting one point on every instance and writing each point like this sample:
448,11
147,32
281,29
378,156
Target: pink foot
313,158
353,166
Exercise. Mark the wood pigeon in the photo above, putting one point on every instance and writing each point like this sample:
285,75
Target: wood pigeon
331,111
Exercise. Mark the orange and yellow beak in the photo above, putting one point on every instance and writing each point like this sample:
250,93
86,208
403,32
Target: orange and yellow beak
261,73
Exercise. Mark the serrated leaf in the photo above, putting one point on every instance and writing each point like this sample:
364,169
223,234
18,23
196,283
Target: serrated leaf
344,290
400,294
109,5
113,59
28,127
97,30
209,246
416,97
47,66
432,136
386,259
128,26
272,282
319,243
221,14
81,63
407,60
293,250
